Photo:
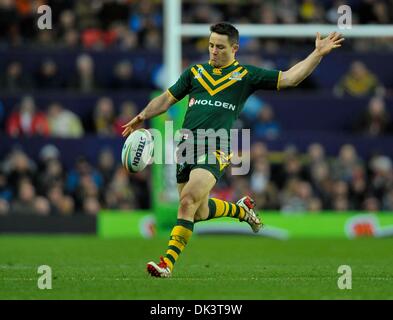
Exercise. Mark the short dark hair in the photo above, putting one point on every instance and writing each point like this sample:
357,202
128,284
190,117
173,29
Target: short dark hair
226,29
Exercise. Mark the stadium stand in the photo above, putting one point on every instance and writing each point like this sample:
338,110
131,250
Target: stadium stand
94,65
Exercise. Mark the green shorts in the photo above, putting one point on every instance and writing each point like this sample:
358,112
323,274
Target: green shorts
214,161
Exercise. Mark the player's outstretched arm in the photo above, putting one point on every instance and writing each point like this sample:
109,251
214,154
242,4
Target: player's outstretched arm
155,107
304,68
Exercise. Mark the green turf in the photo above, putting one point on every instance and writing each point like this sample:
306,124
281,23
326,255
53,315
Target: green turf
212,267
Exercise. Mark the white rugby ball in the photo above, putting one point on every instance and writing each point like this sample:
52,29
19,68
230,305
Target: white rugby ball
137,150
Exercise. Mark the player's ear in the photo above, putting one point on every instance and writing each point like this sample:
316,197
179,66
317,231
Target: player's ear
235,47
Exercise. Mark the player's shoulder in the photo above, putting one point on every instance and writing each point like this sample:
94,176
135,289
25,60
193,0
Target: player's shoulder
251,68
195,67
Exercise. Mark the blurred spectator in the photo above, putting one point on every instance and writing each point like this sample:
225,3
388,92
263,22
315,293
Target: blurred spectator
17,167
104,117
123,76
67,22
28,203
91,206
388,201
120,193
381,180
266,126
70,39
4,207
358,82
340,204
314,205
106,165
64,123
332,14
371,11
128,111
144,16
48,76
322,183
345,163
15,78
290,168
371,204
260,176
48,153
340,191
87,189
358,188
375,121
296,196
315,157
5,190
51,176
128,41
86,14
84,80
82,169
152,40
27,121
267,14
45,40
315,154
60,203
287,12
311,11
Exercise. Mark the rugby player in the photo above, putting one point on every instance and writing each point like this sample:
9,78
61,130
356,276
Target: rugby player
217,92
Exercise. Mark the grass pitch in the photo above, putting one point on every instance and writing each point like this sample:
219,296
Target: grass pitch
211,267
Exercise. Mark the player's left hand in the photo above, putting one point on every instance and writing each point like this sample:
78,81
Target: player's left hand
325,45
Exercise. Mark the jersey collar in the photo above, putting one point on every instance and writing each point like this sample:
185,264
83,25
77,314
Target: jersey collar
226,66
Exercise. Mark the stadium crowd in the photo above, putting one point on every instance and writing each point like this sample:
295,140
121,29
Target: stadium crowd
288,181
130,24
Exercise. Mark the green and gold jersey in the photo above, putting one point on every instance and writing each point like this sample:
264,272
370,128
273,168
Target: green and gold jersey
217,95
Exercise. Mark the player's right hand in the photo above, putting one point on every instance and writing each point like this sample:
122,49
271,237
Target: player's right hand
132,125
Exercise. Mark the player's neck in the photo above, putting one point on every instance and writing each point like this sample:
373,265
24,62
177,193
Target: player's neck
226,65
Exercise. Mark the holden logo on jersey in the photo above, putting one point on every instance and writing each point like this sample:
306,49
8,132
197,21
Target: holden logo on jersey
191,102
235,76
215,103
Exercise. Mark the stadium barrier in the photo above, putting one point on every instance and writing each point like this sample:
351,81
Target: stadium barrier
143,224
112,224
50,224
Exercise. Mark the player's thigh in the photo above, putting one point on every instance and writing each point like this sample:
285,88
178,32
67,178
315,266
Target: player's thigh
200,183
180,187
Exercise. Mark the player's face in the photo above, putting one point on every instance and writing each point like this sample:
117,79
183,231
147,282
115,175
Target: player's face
220,50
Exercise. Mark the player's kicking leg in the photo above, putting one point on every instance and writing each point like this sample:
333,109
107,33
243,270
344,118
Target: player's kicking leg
192,194
243,210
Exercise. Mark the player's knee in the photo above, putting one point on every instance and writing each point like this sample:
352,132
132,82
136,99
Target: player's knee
188,200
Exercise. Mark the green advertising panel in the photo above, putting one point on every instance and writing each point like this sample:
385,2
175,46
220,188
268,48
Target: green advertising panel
277,225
